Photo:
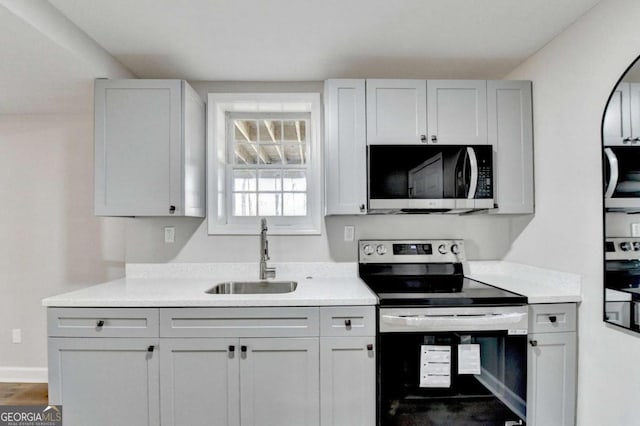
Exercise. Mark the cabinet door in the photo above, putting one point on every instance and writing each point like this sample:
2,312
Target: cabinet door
105,382
551,379
347,381
345,149
396,111
138,128
457,112
279,382
199,382
616,128
510,132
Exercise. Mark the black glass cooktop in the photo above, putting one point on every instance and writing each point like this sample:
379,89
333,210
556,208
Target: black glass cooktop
432,285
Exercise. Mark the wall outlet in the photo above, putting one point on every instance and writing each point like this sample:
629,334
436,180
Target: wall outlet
635,229
169,234
349,232
16,335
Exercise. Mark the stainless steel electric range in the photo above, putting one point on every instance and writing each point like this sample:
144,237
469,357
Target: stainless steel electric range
452,350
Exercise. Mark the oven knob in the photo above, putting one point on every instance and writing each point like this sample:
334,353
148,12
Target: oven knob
368,249
442,249
455,249
380,249
625,246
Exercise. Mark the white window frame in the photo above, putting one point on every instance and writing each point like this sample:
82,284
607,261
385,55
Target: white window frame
219,167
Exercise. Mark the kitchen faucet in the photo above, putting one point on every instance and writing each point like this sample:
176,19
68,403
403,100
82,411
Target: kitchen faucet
265,271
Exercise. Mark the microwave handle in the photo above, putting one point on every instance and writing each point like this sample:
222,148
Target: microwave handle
613,175
473,163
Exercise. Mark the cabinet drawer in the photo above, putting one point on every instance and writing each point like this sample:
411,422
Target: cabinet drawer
103,322
552,318
348,321
238,322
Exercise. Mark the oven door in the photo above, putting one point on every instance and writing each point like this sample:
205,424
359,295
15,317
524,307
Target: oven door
472,374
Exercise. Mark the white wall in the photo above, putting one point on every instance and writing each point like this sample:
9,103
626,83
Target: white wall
572,78
51,242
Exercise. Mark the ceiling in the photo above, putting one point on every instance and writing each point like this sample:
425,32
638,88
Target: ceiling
276,40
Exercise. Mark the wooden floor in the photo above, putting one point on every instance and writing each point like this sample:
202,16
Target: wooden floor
23,394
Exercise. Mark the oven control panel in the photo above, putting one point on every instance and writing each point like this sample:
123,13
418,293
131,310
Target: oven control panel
622,248
411,251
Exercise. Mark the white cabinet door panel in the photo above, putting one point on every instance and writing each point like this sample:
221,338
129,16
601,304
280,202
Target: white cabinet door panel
616,129
396,111
279,382
457,111
346,147
105,382
551,379
347,381
199,382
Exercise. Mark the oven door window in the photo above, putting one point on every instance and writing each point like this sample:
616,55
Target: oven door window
418,386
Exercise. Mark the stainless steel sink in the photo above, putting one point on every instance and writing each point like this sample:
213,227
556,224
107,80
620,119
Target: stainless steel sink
253,287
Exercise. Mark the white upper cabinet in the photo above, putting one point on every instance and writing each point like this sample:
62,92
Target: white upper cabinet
622,118
396,111
149,148
449,112
511,135
345,147
457,112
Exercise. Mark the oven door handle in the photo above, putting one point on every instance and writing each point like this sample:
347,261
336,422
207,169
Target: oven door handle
613,172
440,321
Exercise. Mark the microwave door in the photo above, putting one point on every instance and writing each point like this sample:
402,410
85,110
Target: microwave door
612,182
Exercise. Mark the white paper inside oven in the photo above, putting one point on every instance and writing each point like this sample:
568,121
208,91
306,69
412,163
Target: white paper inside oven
469,359
435,366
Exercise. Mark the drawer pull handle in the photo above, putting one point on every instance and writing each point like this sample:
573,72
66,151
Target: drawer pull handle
347,323
100,323
232,348
243,349
150,348
533,343
553,319
369,347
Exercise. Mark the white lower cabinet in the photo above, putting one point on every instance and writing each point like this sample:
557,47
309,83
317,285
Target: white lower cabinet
200,384
105,381
213,366
552,365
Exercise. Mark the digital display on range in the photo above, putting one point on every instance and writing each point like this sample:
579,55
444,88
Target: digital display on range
412,249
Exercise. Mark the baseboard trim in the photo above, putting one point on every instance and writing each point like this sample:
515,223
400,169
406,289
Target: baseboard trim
23,375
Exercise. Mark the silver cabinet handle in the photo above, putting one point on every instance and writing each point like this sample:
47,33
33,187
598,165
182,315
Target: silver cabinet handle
434,138
423,138
361,207
626,140
533,343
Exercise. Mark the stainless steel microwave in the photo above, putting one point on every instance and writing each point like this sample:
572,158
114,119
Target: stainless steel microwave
622,178
428,178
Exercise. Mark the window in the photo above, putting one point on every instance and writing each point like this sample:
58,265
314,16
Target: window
263,161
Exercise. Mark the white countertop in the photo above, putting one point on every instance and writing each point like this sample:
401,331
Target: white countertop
184,285
319,284
538,284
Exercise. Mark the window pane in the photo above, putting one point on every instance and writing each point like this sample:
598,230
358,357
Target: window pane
244,204
270,180
294,180
244,154
244,180
245,130
270,204
295,153
295,204
271,154
270,131
294,130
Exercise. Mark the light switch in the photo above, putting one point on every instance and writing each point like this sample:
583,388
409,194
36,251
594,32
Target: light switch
169,234
635,229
